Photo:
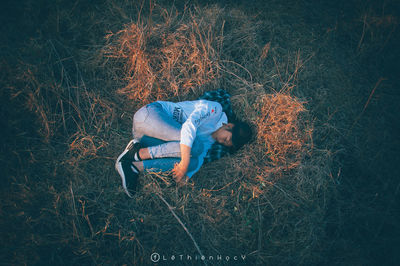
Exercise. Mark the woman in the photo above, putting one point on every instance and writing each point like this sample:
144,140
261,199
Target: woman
176,136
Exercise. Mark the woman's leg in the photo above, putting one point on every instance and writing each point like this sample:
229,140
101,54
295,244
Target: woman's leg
155,148
152,120
163,155
163,164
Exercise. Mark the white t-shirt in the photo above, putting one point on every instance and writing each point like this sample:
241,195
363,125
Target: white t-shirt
199,120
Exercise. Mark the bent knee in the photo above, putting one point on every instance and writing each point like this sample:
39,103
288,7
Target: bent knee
141,115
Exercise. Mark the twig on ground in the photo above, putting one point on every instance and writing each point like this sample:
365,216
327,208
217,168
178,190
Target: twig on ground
363,32
366,105
184,227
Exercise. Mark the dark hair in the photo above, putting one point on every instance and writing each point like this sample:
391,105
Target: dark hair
241,134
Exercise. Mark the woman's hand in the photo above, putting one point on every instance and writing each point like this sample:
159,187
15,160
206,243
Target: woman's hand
179,171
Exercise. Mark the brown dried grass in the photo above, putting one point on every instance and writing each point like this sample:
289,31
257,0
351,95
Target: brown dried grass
170,58
279,128
244,203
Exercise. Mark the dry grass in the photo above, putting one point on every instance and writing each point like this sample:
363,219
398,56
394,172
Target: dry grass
174,57
272,201
279,129
234,210
177,57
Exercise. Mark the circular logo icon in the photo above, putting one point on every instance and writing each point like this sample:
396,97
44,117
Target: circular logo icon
155,257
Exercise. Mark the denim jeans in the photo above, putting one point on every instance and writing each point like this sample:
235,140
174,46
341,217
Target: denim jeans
160,133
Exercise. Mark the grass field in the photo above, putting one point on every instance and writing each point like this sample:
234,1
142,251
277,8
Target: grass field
317,80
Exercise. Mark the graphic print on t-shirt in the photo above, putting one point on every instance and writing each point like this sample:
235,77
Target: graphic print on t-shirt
178,115
203,116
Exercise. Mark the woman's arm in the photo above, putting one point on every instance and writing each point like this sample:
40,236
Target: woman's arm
180,169
204,112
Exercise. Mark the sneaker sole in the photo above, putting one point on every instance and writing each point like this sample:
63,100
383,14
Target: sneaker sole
127,148
118,167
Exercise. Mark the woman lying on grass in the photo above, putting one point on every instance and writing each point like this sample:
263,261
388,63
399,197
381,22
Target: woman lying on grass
177,136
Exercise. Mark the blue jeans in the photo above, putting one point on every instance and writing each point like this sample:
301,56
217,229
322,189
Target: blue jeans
160,133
